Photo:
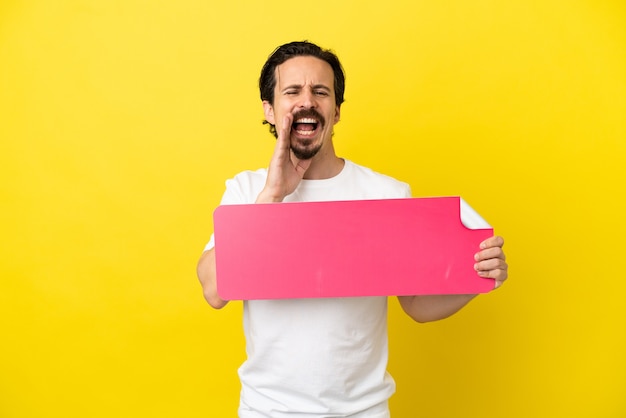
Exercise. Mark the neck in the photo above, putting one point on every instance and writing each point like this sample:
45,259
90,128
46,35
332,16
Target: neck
324,165
316,172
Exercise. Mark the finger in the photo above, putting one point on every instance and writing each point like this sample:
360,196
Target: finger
499,275
491,264
492,269
284,135
494,252
495,241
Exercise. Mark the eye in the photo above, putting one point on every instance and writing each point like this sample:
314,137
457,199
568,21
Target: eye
321,93
291,92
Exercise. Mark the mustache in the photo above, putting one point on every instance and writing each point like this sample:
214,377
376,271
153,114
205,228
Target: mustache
309,113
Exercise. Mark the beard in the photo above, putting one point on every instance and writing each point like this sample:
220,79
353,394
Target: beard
301,148
303,152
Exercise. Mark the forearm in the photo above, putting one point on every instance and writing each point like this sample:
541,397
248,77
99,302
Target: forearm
427,308
267,195
206,265
206,275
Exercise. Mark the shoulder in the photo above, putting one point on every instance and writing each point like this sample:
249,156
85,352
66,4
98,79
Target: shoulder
244,186
249,176
359,170
387,185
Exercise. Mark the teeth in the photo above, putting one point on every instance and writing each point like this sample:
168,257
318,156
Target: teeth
305,133
306,120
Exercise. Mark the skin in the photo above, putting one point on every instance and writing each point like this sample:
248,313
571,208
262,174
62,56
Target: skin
305,83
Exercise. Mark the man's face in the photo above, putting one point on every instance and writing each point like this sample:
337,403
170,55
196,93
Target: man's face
305,89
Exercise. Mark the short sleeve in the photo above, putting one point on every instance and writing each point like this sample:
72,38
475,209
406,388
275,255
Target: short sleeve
241,189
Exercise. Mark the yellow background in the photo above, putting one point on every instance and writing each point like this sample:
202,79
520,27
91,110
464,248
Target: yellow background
120,121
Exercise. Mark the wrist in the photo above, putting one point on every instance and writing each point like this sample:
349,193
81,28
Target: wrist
268,197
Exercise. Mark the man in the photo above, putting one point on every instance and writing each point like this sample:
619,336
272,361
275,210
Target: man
319,357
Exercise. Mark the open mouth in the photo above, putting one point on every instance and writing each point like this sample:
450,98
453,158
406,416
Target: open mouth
305,126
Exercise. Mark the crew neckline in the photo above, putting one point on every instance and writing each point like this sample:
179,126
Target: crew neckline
347,165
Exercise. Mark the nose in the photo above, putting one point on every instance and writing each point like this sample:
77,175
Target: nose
308,100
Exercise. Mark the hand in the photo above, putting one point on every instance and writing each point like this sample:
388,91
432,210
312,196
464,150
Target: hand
491,261
285,170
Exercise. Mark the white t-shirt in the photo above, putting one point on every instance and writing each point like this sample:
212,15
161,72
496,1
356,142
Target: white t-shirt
316,357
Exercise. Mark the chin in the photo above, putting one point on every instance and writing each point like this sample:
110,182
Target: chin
305,153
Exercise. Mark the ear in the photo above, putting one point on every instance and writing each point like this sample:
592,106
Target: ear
268,109
337,114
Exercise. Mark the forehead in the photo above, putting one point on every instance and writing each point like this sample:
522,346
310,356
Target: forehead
304,70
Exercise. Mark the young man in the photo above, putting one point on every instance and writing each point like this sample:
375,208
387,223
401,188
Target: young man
319,357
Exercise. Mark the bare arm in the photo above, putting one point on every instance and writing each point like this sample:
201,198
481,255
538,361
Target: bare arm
284,175
490,263
429,308
206,275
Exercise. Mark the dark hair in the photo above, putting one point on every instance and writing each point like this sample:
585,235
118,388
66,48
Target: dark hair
267,81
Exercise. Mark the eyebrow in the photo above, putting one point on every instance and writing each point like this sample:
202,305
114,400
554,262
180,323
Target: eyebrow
299,87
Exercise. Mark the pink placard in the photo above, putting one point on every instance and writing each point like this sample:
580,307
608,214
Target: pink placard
412,246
